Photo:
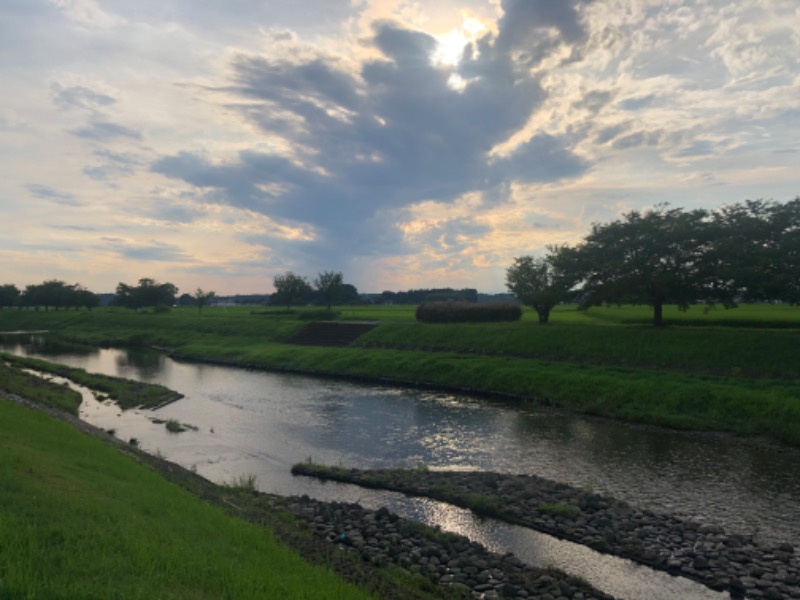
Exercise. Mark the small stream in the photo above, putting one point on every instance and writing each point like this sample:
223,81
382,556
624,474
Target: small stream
251,422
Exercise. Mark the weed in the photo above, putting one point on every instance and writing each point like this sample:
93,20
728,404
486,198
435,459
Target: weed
243,483
174,426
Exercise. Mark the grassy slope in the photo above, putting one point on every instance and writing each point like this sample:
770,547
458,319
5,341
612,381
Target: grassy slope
743,380
80,520
126,392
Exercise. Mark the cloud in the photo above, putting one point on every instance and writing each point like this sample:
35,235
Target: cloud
113,165
369,141
46,192
99,130
78,96
154,251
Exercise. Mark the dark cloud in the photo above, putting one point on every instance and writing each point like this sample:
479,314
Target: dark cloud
523,21
46,192
80,97
637,103
609,133
698,148
594,100
373,142
171,212
637,139
103,131
113,165
152,252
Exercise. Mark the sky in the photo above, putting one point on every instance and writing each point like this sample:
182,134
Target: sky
217,143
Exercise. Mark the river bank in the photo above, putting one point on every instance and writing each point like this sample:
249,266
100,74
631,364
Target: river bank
741,381
705,553
364,546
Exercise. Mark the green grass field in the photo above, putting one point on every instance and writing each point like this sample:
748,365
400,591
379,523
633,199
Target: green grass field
78,519
724,370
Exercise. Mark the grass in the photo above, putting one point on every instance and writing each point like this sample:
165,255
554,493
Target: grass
35,388
80,520
560,510
126,392
707,375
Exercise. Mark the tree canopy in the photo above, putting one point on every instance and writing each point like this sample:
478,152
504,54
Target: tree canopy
148,293
9,295
538,283
56,294
289,288
328,286
201,298
741,252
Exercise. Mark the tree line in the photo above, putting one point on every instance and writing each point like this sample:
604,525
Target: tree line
744,252
327,288
49,294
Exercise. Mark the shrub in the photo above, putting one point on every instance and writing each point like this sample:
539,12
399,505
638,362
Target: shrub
468,312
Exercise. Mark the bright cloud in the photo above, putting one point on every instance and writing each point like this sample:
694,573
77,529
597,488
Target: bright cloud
408,144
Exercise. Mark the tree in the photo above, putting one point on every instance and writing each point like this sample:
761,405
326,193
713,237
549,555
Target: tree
660,256
9,295
202,298
536,282
148,293
328,285
289,287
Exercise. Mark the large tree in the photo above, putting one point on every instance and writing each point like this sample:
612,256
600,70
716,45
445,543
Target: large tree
757,251
9,295
148,293
328,286
58,294
537,283
290,287
201,298
656,257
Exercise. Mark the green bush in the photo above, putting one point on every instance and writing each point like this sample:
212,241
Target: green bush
468,312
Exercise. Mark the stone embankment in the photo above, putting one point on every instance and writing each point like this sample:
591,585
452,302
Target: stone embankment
464,568
705,553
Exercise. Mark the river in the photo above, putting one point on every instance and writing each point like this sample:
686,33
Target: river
253,422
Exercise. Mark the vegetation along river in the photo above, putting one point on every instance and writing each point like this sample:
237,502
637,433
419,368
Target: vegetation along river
251,422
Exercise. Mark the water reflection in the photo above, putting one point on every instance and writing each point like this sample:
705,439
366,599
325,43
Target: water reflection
262,423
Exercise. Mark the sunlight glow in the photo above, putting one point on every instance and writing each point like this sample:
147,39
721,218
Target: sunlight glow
451,48
451,44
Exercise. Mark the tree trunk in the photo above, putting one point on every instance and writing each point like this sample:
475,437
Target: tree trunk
658,313
544,315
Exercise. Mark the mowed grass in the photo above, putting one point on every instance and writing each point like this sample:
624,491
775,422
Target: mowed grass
78,519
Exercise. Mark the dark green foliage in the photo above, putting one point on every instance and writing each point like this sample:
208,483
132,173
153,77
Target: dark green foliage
9,295
656,257
429,295
468,312
202,298
289,288
328,286
757,251
537,283
148,293
743,252
58,294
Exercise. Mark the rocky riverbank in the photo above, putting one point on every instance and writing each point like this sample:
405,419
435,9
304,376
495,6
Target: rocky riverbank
441,565
452,562
705,553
